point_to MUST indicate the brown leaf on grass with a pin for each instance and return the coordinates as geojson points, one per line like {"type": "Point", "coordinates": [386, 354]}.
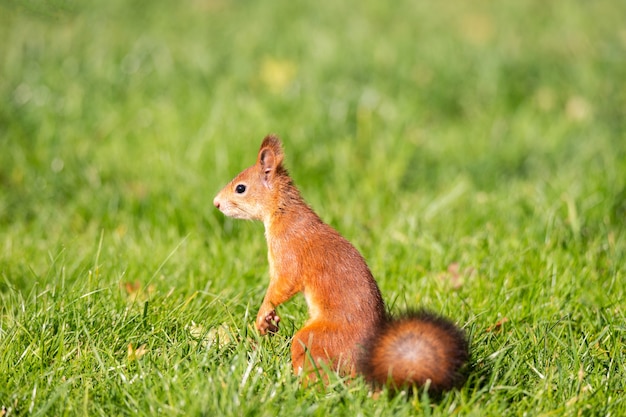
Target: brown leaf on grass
{"type": "Point", "coordinates": [498, 326]}
{"type": "Point", "coordinates": [135, 354]}
{"type": "Point", "coordinates": [131, 287]}
{"type": "Point", "coordinates": [455, 275]}
{"type": "Point", "coordinates": [136, 292]}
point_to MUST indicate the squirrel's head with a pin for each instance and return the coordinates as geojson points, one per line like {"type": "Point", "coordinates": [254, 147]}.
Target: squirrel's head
{"type": "Point", "coordinates": [253, 194]}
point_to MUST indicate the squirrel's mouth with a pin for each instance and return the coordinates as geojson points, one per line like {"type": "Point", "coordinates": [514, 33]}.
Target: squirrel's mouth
{"type": "Point", "coordinates": [233, 211]}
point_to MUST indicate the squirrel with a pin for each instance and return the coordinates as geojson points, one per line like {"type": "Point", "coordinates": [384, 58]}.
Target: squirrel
{"type": "Point", "coordinates": [348, 329]}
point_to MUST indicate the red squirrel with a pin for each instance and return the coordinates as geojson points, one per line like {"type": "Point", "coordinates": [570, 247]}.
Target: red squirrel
{"type": "Point", "coordinates": [348, 328]}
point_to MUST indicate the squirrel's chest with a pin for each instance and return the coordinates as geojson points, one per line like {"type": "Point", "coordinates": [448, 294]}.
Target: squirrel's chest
{"type": "Point", "coordinates": [296, 256]}
{"type": "Point", "coordinates": [284, 261]}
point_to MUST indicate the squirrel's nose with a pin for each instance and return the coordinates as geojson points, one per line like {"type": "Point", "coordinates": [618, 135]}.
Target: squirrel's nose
{"type": "Point", "coordinates": [216, 203]}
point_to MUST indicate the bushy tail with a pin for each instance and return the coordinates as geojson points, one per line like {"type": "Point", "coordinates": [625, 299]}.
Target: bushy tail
{"type": "Point", "coordinates": [418, 347]}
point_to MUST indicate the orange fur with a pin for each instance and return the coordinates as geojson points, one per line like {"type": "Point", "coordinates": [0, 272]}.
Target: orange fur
{"type": "Point", "coordinates": [416, 349]}
{"type": "Point", "coordinates": [346, 310]}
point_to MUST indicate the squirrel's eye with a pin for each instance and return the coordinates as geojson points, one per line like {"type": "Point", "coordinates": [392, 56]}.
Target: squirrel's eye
{"type": "Point", "coordinates": [240, 189]}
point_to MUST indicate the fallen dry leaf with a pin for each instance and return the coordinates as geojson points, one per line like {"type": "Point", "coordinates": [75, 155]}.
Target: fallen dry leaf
{"type": "Point", "coordinates": [131, 287]}
{"type": "Point", "coordinates": [498, 326]}
{"type": "Point", "coordinates": [135, 354]}
{"type": "Point", "coordinates": [455, 275]}
{"type": "Point", "coordinates": [136, 292]}
{"type": "Point", "coordinates": [219, 334]}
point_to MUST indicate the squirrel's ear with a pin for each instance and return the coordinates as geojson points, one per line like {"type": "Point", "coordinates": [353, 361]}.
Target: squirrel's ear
{"type": "Point", "coordinates": [270, 155]}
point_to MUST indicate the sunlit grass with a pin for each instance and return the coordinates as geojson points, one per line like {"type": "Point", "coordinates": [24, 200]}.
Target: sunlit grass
{"type": "Point", "coordinates": [475, 153]}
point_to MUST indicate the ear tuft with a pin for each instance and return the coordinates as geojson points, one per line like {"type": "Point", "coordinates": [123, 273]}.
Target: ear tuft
{"type": "Point", "coordinates": [273, 142]}
{"type": "Point", "coordinates": [271, 154]}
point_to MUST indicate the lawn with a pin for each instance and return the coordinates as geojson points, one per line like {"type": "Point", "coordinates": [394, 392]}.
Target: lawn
{"type": "Point", "coordinates": [474, 152]}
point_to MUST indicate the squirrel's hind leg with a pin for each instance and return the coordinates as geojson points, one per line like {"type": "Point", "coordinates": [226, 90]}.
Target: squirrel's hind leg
{"type": "Point", "coordinates": [319, 347]}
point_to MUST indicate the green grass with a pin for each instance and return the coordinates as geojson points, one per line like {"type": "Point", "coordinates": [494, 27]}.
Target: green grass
{"type": "Point", "coordinates": [474, 152]}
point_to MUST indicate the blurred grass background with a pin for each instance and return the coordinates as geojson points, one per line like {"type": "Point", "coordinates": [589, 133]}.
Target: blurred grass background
{"type": "Point", "coordinates": [474, 151]}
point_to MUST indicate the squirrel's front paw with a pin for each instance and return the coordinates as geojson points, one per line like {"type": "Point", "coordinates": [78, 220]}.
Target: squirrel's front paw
{"type": "Point", "coordinates": [267, 322]}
